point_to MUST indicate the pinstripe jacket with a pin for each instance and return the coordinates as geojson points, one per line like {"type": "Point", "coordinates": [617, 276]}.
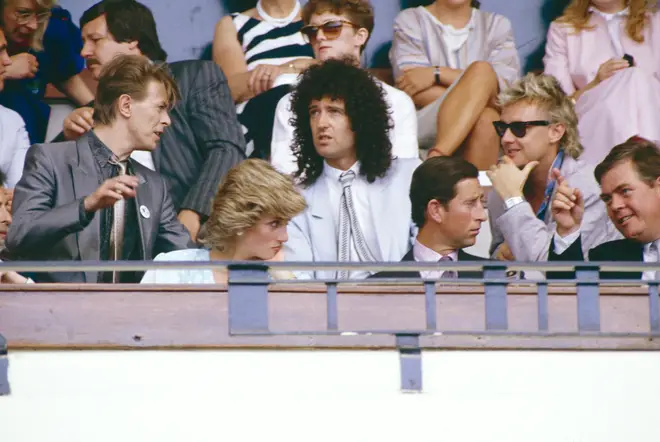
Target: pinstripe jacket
{"type": "Point", "coordinates": [205, 139]}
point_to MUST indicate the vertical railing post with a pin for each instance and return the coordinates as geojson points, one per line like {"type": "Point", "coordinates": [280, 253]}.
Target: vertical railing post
{"type": "Point", "coordinates": [588, 297]}
{"type": "Point", "coordinates": [331, 306]}
{"type": "Point", "coordinates": [248, 297]}
{"type": "Point", "coordinates": [410, 356]}
{"type": "Point", "coordinates": [430, 304]}
{"type": "Point", "coordinates": [654, 317]}
{"type": "Point", "coordinates": [542, 305]}
{"type": "Point", "coordinates": [495, 294]}
{"type": "Point", "coordinates": [4, 367]}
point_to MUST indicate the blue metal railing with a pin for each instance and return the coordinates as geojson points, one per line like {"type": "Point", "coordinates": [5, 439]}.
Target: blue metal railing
{"type": "Point", "coordinates": [249, 282]}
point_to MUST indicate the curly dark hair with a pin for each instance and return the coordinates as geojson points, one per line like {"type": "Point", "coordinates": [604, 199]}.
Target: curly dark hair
{"type": "Point", "coordinates": [366, 109]}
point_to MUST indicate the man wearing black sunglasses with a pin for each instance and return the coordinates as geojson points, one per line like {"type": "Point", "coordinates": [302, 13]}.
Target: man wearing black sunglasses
{"type": "Point", "coordinates": [340, 29]}
{"type": "Point", "coordinates": [541, 150]}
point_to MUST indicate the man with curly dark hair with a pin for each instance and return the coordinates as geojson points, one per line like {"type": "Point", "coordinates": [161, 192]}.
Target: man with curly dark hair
{"type": "Point", "coordinates": [341, 29]}
{"type": "Point", "coordinates": [350, 181]}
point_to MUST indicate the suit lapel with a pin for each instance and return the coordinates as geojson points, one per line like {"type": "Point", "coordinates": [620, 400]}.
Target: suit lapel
{"type": "Point", "coordinates": [85, 181]}
{"type": "Point", "coordinates": [463, 256]}
{"type": "Point", "coordinates": [145, 210]}
{"type": "Point", "coordinates": [378, 208]}
{"type": "Point", "coordinates": [322, 226]}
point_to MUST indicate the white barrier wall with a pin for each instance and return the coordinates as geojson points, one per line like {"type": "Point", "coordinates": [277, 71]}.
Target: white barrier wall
{"type": "Point", "coordinates": [316, 395]}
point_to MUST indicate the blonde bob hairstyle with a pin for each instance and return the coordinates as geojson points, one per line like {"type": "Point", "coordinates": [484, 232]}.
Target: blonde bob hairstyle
{"type": "Point", "coordinates": [252, 190]}
{"type": "Point", "coordinates": [545, 92]}
{"type": "Point", "coordinates": [37, 43]}
{"type": "Point", "coordinates": [577, 16]}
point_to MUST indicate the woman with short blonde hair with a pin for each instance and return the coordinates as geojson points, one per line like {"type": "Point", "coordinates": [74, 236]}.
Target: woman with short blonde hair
{"type": "Point", "coordinates": [606, 56]}
{"type": "Point", "coordinates": [248, 221]}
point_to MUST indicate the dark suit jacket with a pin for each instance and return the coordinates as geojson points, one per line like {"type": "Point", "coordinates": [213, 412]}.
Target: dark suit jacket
{"type": "Point", "coordinates": [205, 139]}
{"type": "Point", "coordinates": [46, 210]}
{"type": "Point", "coordinates": [619, 250]}
{"type": "Point", "coordinates": [462, 256]}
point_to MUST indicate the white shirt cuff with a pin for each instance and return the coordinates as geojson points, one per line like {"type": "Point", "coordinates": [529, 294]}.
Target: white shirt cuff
{"type": "Point", "coordinates": [562, 244]}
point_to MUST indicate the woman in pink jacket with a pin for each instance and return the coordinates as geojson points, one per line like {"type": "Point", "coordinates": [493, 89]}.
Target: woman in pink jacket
{"type": "Point", "coordinates": [606, 55]}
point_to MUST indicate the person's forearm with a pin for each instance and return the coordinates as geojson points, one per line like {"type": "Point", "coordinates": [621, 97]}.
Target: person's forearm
{"type": "Point", "coordinates": [239, 84]}
{"type": "Point", "coordinates": [76, 89]}
{"type": "Point", "coordinates": [576, 96]}
{"type": "Point", "coordinates": [448, 76]}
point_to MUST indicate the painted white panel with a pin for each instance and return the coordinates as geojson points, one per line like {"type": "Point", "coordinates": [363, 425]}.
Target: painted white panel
{"type": "Point", "coordinates": [330, 395]}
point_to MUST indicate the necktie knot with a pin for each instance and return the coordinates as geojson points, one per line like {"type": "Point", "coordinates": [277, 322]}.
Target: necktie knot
{"type": "Point", "coordinates": [445, 258]}
{"type": "Point", "coordinates": [120, 164]}
{"type": "Point", "coordinates": [347, 178]}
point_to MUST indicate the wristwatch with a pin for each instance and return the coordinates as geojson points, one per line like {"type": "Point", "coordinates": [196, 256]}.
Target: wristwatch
{"type": "Point", "coordinates": [513, 201]}
{"type": "Point", "coordinates": [436, 72]}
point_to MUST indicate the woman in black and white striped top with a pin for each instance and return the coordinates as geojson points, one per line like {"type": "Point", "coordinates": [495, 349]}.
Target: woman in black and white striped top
{"type": "Point", "coordinates": [261, 51]}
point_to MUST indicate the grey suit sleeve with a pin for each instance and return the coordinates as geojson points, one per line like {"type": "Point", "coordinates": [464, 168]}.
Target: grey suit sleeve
{"type": "Point", "coordinates": [527, 236]}
{"type": "Point", "coordinates": [218, 135]}
{"type": "Point", "coordinates": [36, 223]}
{"type": "Point", "coordinates": [172, 235]}
{"type": "Point", "coordinates": [299, 247]}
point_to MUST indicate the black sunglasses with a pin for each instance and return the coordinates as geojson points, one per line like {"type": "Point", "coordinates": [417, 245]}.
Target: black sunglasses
{"type": "Point", "coordinates": [518, 128]}
{"type": "Point", "coordinates": [331, 29]}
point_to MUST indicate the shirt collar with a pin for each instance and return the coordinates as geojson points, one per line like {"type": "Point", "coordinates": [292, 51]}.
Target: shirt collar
{"type": "Point", "coordinates": [100, 151]}
{"type": "Point", "coordinates": [421, 253]}
{"type": "Point", "coordinates": [333, 174]}
{"type": "Point", "coordinates": [608, 17]}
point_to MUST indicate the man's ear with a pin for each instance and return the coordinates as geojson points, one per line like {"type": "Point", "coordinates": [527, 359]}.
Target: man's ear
{"type": "Point", "coordinates": [134, 47]}
{"type": "Point", "coordinates": [435, 211]}
{"type": "Point", "coordinates": [556, 132]}
{"type": "Point", "coordinates": [125, 103]}
{"type": "Point", "coordinates": [362, 36]}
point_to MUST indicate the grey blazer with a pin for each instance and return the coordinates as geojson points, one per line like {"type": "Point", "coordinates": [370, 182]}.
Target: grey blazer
{"type": "Point", "coordinates": [46, 210]}
{"type": "Point", "coordinates": [529, 238]}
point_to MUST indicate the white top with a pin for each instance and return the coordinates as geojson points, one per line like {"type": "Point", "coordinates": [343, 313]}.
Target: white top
{"type": "Point", "coordinates": [181, 276]}
{"type": "Point", "coordinates": [614, 27]}
{"type": "Point", "coordinates": [453, 38]}
{"type": "Point", "coordinates": [403, 136]}
{"type": "Point", "coordinates": [145, 158]}
{"type": "Point", "coordinates": [359, 190]}
{"type": "Point", "coordinates": [421, 253]}
{"type": "Point", "coordinates": [14, 144]}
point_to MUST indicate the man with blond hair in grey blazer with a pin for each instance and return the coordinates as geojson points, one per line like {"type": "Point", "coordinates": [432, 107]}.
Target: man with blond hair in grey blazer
{"type": "Point", "coordinates": [540, 143]}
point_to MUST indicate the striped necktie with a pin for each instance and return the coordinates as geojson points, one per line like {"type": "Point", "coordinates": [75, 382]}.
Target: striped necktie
{"type": "Point", "coordinates": [349, 227]}
{"type": "Point", "coordinates": [118, 223]}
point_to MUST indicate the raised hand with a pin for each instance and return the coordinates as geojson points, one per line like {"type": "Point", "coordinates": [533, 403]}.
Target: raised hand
{"type": "Point", "coordinates": [567, 206]}
{"type": "Point", "coordinates": [507, 180]}
{"type": "Point", "coordinates": [78, 122]}
{"type": "Point", "coordinates": [609, 68]}
{"type": "Point", "coordinates": [111, 191]}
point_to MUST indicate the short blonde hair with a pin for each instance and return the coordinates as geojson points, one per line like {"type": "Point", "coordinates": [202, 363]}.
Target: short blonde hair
{"type": "Point", "coordinates": [577, 16]}
{"type": "Point", "coordinates": [250, 191]}
{"type": "Point", "coordinates": [545, 92]}
{"type": "Point", "coordinates": [37, 43]}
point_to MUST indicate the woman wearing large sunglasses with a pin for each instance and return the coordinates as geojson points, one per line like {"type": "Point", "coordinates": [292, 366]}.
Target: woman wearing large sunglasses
{"type": "Point", "coordinates": [541, 158]}
{"type": "Point", "coordinates": [44, 46]}
{"type": "Point", "coordinates": [453, 59]}
{"type": "Point", "coordinates": [606, 55]}
{"type": "Point", "coordinates": [261, 51]}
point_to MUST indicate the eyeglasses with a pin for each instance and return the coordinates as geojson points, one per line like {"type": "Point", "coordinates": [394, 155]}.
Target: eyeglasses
{"type": "Point", "coordinates": [331, 30]}
{"type": "Point", "coordinates": [24, 17]}
{"type": "Point", "coordinates": [518, 128]}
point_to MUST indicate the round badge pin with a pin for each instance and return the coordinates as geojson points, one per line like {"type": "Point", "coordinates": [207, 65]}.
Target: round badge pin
{"type": "Point", "coordinates": [145, 212]}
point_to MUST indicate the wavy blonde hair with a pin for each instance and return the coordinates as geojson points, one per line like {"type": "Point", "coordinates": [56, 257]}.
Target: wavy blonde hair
{"type": "Point", "coordinates": [38, 37]}
{"type": "Point", "coordinates": [252, 190]}
{"type": "Point", "coordinates": [545, 92]}
{"type": "Point", "coordinates": [577, 15]}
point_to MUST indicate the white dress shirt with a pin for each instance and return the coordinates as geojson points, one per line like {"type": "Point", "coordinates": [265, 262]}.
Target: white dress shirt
{"type": "Point", "coordinates": [614, 26]}
{"type": "Point", "coordinates": [403, 136]}
{"type": "Point", "coordinates": [650, 254]}
{"type": "Point", "coordinates": [14, 144]}
{"type": "Point", "coordinates": [145, 158]}
{"type": "Point", "coordinates": [359, 185]}
{"type": "Point", "coordinates": [453, 38]}
{"type": "Point", "coordinates": [421, 253]}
